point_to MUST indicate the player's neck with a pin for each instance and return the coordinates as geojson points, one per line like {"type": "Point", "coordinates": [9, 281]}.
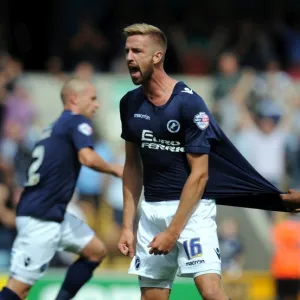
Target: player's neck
{"type": "Point", "coordinates": [72, 108]}
{"type": "Point", "coordinates": [159, 88]}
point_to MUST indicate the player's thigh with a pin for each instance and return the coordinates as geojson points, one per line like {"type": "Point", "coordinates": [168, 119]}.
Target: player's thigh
{"type": "Point", "coordinates": [162, 267]}
{"type": "Point", "coordinates": [158, 290]}
{"type": "Point", "coordinates": [76, 236]}
{"type": "Point", "coordinates": [34, 247]}
{"type": "Point", "coordinates": [210, 286]}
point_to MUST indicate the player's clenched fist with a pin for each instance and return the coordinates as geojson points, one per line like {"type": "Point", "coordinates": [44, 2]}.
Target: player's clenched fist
{"type": "Point", "coordinates": [126, 241]}
{"type": "Point", "coordinates": [163, 243]}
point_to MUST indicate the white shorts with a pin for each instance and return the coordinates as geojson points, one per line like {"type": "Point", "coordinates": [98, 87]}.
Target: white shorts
{"type": "Point", "coordinates": [38, 241]}
{"type": "Point", "coordinates": [195, 253]}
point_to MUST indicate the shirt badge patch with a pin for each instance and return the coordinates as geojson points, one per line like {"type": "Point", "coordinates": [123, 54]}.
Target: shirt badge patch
{"type": "Point", "coordinates": [201, 120]}
{"type": "Point", "coordinates": [85, 128]}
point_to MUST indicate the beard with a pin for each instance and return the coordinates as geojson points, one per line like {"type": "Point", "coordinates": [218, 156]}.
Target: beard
{"type": "Point", "coordinates": [139, 77]}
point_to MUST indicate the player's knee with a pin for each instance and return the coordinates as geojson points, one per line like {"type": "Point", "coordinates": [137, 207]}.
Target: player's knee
{"type": "Point", "coordinates": [155, 294]}
{"type": "Point", "coordinates": [19, 288]}
{"type": "Point", "coordinates": [101, 253]}
{"type": "Point", "coordinates": [95, 251]}
{"type": "Point", "coordinates": [98, 254]}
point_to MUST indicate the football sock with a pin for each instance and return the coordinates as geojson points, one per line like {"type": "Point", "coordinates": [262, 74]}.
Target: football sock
{"type": "Point", "coordinates": [78, 274]}
{"type": "Point", "coordinates": [7, 294]}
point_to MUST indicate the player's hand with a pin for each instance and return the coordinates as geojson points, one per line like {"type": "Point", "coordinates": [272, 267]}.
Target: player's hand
{"type": "Point", "coordinates": [291, 200]}
{"type": "Point", "coordinates": [118, 170]}
{"type": "Point", "coordinates": [163, 243]}
{"type": "Point", "coordinates": [126, 241]}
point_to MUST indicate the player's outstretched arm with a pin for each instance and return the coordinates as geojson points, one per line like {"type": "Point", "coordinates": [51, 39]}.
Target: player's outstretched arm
{"type": "Point", "coordinates": [91, 159]}
{"type": "Point", "coordinates": [132, 188]}
{"type": "Point", "coordinates": [190, 197]}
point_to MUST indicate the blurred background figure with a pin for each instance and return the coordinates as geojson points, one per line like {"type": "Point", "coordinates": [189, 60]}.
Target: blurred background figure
{"type": "Point", "coordinates": [231, 248]}
{"type": "Point", "coordinates": [232, 256]}
{"type": "Point", "coordinates": [88, 44]}
{"type": "Point", "coordinates": [285, 266]}
{"type": "Point", "coordinates": [7, 217]}
{"type": "Point", "coordinates": [226, 80]}
{"type": "Point", "coordinates": [84, 70]}
{"type": "Point", "coordinates": [54, 66]}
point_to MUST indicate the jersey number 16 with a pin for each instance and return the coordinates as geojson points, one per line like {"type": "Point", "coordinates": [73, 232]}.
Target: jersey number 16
{"type": "Point", "coordinates": [192, 248]}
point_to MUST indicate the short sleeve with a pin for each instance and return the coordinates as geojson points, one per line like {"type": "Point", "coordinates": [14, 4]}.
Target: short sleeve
{"type": "Point", "coordinates": [82, 133]}
{"type": "Point", "coordinates": [198, 125]}
{"type": "Point", "coordinates": [124, 116]}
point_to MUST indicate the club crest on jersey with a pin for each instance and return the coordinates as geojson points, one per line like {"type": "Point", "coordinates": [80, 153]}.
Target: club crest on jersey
{"type": "Point", "coordinates": [201, 120]}
{"type": "Point", "coordinates": [137, 262]}
{"type": "Point", "coordinates": [173, 126]}
{"type": "Point", "coordinates": [85, 128]}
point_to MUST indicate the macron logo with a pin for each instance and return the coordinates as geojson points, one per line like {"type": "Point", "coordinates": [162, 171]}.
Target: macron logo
{"type": "Point", "coordinates": [141, 116]}
{"type": "Point", "coordinates": [187, 90]}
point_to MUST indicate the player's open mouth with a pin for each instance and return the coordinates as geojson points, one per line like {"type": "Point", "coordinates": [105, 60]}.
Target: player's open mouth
{"type": "Point", "coordinates": [134, 70]}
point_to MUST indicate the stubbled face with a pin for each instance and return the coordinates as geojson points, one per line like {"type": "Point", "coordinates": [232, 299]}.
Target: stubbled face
{"type": "Point", "coordinates": [87, 102]}
{"type": "Point", "coordinates": [140, 53]}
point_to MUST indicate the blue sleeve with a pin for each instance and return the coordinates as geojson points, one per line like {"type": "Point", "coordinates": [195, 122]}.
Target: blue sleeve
{"type": "Point", "coordinates": [82, 133]}
{"type": "Point", "coordinates": [124, 116]}
{"type": "Point", "coordinates": [198, 124]}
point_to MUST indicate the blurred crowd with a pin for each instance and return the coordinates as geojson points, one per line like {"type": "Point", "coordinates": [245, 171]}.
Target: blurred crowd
{"type": "Point", "coordinates": [255, 67]}
{"type": "Point", "coordinates": [194, 43]}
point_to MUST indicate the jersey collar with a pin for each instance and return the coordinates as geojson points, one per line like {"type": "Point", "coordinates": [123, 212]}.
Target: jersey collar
{"type": "Point", "coordinates": [179, 86]}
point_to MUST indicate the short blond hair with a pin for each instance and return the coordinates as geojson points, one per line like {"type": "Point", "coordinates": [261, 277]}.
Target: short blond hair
{"type": "Point", "coordinates": [146, 29]}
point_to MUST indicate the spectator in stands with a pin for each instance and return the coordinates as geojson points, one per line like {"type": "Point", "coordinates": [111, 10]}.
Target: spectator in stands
{"type": "Point", "coordinates": [196, 43]}
{"type": "Point", "coordinates": [231, 247]}
{"type": "Point", "coordinates": [54, 66]}
{"type": "Point", "coordinates": [3, 93]}
{"type": "Point", "coordinates": [19, 108]}
{"type": "Point", "coordinates": [84, 70]}
{"type": "Point", "coordinates": [7, 218]}
{"type": "Point", "coordinates": [278, 86]}
{"type": "Point", "coordinates": [252, 44]}
{"type": "Point", "coordinates": [232, 85]}
{"type": "Point", "coordinates": [12, 137]}
{"type": "Point", "coordinates": [226, 79]}
{"type": "Point", "coordinates": [89, 44]}
{"type": "Point", "coordinates": [291, 39]}
{"type": "Point", "coordinates": [285, 267]}
{"type": "Point", "coordinates": [267, 131]}
{"type": "Point", "coordinates": [13, 69]}
{"type": "Point", "coordinates": [294, 71]}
